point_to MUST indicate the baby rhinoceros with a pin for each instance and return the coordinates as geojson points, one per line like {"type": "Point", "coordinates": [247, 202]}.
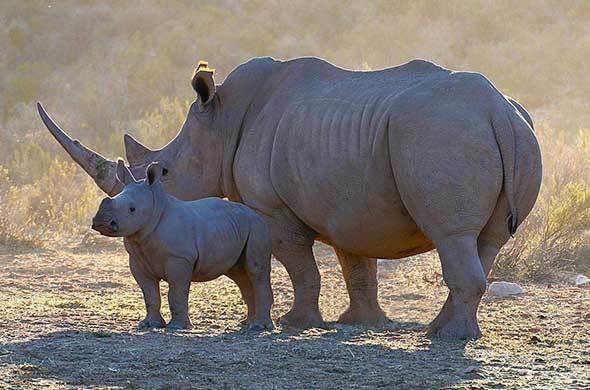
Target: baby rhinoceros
{"type": "Point", "coordinates": [179, 242]}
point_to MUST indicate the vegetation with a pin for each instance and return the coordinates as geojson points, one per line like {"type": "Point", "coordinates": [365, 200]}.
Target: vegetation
{"type": "Point", "coordinates": [555, 236]}
{"type": "Point", "coordinates": [106, 67]}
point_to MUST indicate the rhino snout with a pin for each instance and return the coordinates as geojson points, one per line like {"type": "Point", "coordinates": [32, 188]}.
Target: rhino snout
{"type": "Point", "coordinates": [105, 226]}
{"type": "Point", "coordinates": [103, 222]}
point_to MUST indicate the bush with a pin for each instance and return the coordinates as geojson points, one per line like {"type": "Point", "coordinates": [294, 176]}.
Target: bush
{"type": "Point", "coordinates": [554, 238]}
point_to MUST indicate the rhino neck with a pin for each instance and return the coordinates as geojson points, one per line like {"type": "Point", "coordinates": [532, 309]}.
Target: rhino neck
{"type": "Point", "coordinates": [160, 202]}
{"type": "Point", "coordinates": [231, 139]}
{"type": "Point", "coordinates": [241, 96]}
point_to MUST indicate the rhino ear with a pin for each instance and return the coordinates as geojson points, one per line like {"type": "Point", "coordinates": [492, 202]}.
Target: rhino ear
{"type": "Point", "coordinates": [154, 172]}
{"type": "Point", "coordinates": [203, 82]}
{"type": "Point", "coordinates": [135, 151]}
{"type": "Point", "coordinates": [123, 173]}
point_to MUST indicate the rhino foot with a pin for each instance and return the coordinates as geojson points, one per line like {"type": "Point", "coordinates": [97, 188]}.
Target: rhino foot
{"type": "Point", "coordinates": [455, 329]}
{"type": "Point", "coordinates": [245, 322]}
{"type": "Point", "coordinates": [260, 326]}
{"type": "Point", "coordinates": [151, 323]}
{"type": "Point", "coordinates": [364, 316]}
{"type": "Point", "coordinates": [302, 320]}
{"type": "Point", "coordinates": [179, 324]}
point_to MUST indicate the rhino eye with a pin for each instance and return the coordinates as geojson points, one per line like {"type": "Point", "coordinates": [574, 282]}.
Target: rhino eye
{"type": "Point", "coordinates": [132, 209]}
{"type": "Point", "coordinates": [164, 171]}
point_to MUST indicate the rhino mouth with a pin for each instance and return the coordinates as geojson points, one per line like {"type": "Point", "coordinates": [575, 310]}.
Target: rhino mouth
{"type": "Point", "coordinates": [105, 227]}
{"type": "Point", "coordinates": [102, 170]}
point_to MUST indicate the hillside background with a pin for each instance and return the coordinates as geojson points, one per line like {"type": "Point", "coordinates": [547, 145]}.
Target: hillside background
{"type": "Point", "coordinates": [106, 67]}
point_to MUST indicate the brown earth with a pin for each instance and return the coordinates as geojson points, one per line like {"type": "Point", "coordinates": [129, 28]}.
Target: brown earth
{"type": "Point", "coordinates": [68, 316]}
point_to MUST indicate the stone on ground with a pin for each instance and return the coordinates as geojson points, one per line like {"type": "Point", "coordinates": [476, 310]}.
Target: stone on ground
{"type": "Point", "coordinates": [504, 289]}
{"type": "Point", "coordinates": [582, 281]}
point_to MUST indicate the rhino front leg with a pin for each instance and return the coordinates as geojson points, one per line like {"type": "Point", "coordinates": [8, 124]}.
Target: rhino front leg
{"type": "Point", "coordinates": [360, 275]}
{"type": "Point", "coordinates": [292, 244]}
{"type": "Point", "coordinates": [150, 287]}
{"type": "Point", "coordinates": [179, 274]}
{"type": "Point", "coordinates": [257, 263]}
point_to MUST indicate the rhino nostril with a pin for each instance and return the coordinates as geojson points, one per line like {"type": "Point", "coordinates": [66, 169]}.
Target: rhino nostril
{"type": "Point", "coordinates": [114, 225]}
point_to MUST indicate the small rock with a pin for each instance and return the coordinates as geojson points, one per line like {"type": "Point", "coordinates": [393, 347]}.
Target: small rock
{"type": "Point", "coordinates": [582, 281]}
{"type": "Point", "coordinates": [504, 289]}
{"type": "Point", "coordinates": [470, 370]}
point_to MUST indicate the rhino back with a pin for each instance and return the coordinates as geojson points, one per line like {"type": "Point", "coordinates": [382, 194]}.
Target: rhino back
{"type": "Point", "coordinates": [320, 148]}
{"type": "Point", "coordinates": [326, 147]}
{"type": "Point", "coordinates": [211, 231]}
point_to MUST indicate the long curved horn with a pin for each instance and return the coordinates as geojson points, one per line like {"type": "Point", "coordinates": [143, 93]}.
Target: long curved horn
{"type": "Point", "coordinates": [102, 170]}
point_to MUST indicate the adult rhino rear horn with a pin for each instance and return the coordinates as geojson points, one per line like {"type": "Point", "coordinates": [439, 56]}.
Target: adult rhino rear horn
{"type": "Point", "coordinates": [102, 170]}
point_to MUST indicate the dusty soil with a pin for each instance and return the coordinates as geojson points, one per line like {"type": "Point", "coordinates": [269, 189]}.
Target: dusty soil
{"type": "Point", "coordinates": [68, 316]}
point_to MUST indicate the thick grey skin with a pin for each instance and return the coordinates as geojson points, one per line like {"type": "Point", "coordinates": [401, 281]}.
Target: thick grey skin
{"type": "Point", "coordinates": [381, 164]}
{"type": "Point", "coordinates": [179, 242]}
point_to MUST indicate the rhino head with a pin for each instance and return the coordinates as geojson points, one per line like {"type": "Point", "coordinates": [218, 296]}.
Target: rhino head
{"type": "Point", "coordinates": [133, 209]}
{"type": "Point", "coordinates": [191, 163]}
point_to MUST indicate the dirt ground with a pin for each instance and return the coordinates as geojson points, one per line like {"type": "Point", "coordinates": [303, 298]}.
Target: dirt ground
{"type": "Point", "coordinates": [68, 316]}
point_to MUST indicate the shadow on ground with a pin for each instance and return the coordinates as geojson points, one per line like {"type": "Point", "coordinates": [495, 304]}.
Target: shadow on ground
{"type": "Point", "coordinates": [338, 357]}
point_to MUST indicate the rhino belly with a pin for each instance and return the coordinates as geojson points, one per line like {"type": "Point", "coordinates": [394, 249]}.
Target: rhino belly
{"type": "Point", "coordinates": [388, 236]}
{"type": "Point", "coordinates": [370, 222]}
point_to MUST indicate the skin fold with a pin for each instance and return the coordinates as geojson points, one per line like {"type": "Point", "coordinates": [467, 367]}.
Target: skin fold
{"type": "Point", "coordinates": [380, 164]}
{"type": "Point", "coordinates": [183, 242]}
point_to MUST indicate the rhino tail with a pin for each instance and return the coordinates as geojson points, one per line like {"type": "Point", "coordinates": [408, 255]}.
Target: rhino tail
{"type": "Point", "coordinates": [503, 123]}
{"type": "Point", "coordinates": [523, 112]}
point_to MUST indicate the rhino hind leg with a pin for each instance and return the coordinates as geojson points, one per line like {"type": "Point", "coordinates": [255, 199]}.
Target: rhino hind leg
{"type": "Point", "coordinates": [360, 275]}
{"type": "Point", "coordinates": [240, 277]}
{"type": "Point", "coordinates": [179, 274]}
{"type": "Point", "coordinates": [465, 276]}
{"type": "Point", "coordinates": [490, 241]}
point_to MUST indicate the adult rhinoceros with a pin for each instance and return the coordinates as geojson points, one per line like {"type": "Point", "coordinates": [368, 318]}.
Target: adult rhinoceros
{"type": "Point", "coordinates": [380, 164]}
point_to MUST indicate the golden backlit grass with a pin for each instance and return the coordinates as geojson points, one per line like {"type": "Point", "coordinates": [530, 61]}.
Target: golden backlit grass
{"type": "Point", "coordinates": [103, 68]}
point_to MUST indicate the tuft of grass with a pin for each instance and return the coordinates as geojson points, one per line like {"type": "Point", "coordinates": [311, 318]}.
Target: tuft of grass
{"type": "Point", "coordinates": [29, 368]}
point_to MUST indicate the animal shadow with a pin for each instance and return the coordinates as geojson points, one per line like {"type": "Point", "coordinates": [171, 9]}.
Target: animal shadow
{"type": "Point", "coordinates": [398, 355]}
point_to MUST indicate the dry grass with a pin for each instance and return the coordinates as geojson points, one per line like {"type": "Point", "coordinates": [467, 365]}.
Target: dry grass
{"type": "Point", "coordinates": [68, 321]}
{"type": "Point", "coordinates": [48, 209]}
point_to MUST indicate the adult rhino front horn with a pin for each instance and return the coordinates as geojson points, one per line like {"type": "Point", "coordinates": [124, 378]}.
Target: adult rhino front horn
{"type": "Point", "coordinates": [102, 170]}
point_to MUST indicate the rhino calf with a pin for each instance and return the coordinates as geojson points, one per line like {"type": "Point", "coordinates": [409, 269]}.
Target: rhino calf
{"type": "Point", "coordinates": [180, 242]}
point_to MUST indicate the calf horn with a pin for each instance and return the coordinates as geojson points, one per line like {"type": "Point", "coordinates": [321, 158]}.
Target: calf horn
{"type": "Point", "coordinates": [103, 171]}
